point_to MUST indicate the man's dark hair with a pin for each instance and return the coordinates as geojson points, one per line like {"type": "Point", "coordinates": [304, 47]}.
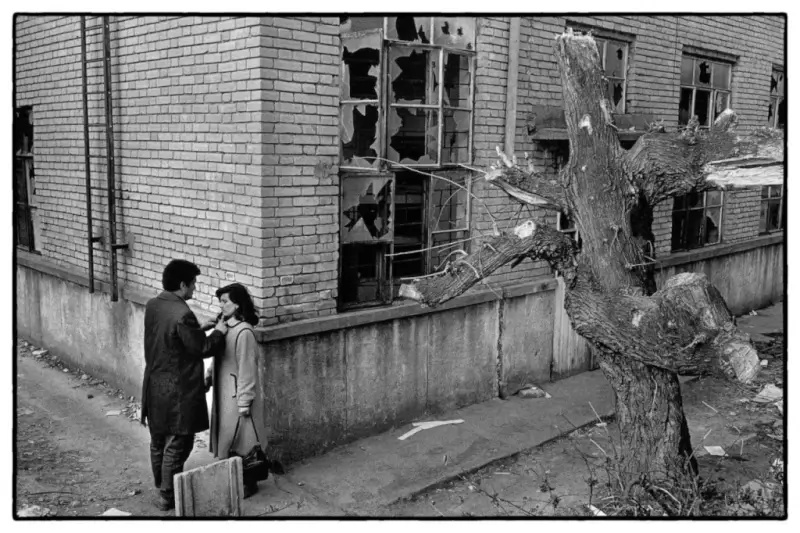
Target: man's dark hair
{"type": "Point", "coordinates": [238, 294]}
{"type": "Point", "coordinates": [177, 271]}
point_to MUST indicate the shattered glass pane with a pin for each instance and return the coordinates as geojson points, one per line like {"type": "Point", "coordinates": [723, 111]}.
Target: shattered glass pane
{"type": "Point", "coordinates": [366, 209]}
{"type": "Point", "coordinates": [773, 83]}
{"type": "Point", "coordinates": [712, 225]}
{"type": "Point", "coordinates": [781, 84]}
{"type": "Point", "coordinates": [713, 198]}
{"type": "Point", "coordinates": [408, 72]}
{"type": "Point", "coordinates": [703, 72]}
{"type": "Point", "coordinates": [615, 59]}
{"type": "Point", "coordinates": [722, 76]}
{"type": "Point", "coordinates": [455, 137]}
{"type": "Point", "coordinates": [762, 224]}
{"type": "Point", "coordinates": [439, 255]}
{"type": "Point", "coordinates": [685, 106]}
{"type": "Point", "coordinates": [702, 103]}
{"type": "Point", "coordinates": [358, 133]}
{"type": "Point", "coordinates": [411, 29]}
{"type": "Point", "coordinates": [449, 203]}
{"type": "Point", "coordinates": [413, 135]}
{"type": "Point", "coordinates": [773, 212]}
{"type": "Point", "coordinates": [615, 93]}
{"type": "Point", "coordinates": [782, 113]}
{"type": "Point", "coordinates": [687, 70]}
{"type": "Point", "coordinates": [456, 32]}
{"type": "Point", "coordinates": [456, 80]}
{"type": "Point", "coordinates": [360, 66]}
{"type": "Point", "coordinates": [721, 103]}
{"type": "Point", "coordinates": [361, 281]}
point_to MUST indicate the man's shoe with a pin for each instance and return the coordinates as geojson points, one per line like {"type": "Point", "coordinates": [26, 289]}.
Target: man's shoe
{"type": "Point", "coordinates": [164, 504]}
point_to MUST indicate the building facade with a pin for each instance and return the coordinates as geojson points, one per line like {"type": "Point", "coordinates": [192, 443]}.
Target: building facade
{"type": "Point", "coordinates": [295, 155]}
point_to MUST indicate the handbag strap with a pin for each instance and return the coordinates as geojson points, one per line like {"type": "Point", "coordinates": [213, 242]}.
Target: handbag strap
{"type": "Point", "coordinates": [236, 431]}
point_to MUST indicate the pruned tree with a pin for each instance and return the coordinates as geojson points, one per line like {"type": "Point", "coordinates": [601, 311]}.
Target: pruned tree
{"type": "Point", "coordinates": [643, 337]}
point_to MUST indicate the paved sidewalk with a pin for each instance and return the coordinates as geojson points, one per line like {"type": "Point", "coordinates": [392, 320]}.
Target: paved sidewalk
{"type": "Point", "coordinates": [357, 479]}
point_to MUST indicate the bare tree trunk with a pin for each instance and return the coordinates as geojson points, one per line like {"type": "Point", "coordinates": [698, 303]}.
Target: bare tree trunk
{"type": "Point", "coordinates": [644, 338]}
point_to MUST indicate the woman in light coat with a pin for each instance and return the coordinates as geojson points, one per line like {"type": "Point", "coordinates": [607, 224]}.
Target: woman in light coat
{"type": "Point", "coordinates": [234, 376]}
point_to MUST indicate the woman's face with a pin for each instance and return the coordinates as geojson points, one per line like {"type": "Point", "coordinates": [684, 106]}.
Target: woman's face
{"type": "Point", "coordinates": [228, 307]}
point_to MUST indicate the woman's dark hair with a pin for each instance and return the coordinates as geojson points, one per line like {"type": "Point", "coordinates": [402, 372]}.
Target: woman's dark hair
{"type": "Point", "coordinates": [238, 294]}
{"type": "Point", "coordinates": [177, 271]}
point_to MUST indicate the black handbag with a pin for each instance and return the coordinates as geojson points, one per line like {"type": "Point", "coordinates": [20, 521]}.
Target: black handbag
{"type": "Point", "coordinates": [255, 466]}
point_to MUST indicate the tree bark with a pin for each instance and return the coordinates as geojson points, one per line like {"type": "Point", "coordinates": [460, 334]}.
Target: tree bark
{"type": "Point", "coordinates": [642, 338]}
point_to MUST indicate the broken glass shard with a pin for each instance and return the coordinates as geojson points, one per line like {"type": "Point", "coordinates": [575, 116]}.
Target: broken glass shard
{"type": "Point", "coordinates": [360, 66]}
{"type": "Point", "coordinates": [358, 131]}
{"type": "Point", "coordinates": [615, 59]}
{"type": "Point", "coordinates": [455, 137]}
{"type": "Point", "coordinates": [703, 72]}
{"type": "Point", "coordinates": [413, 134]}
{"type": "Point", "coordinates": [411, 29]}
{"type": "Point", "coordinates": [702, 102]}
{"type": "Point", "coordinates": [366, 209]}
{"type": "Point", "coordinates": [455, 32]}
{"type": "Point", "coordinates": [408, 70]}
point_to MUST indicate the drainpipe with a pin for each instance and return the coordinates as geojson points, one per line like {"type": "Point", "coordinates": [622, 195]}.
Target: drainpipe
{"type": "Point", "coordinates": [511, 86]}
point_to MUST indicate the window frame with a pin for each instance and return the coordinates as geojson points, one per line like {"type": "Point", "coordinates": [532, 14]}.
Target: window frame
{"type": "Point", "coordinates": [711, 87]}
{"type": "Point", "coordinates": [456, 204]}
{"type": "Point", "coordinates": [23, 189]}
{"type": "Point", "coordinates": [770, 199]}
{"type": "Point", "coordinates": [686, 209]}
{"type": "Point", "coordinates": [776, 100]}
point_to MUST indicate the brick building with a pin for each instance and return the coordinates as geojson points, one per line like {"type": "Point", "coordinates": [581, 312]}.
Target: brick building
{"type": "Point", "coordinates": [291, 154]}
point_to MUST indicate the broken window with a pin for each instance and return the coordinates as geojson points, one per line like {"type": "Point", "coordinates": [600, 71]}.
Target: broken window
{"type": "Point", "coordinates": [696, 220]}
{"type": "Point", "coordinates": [777, 99]}
{"type": "Point", "coordinates": [614, 63]}
{"type": "Point", "coordinates": [705, 90]}
{"type": "Point", "coordinates": [24, 182]}
{"type": "Point", "coordinates": [773, 209]}
{"type": "Point", "coordinates": [359, 94]}
{"type": "Point", "coordinates": [406, 99]}
{"type": "Point", "coordinates": [614, 60]}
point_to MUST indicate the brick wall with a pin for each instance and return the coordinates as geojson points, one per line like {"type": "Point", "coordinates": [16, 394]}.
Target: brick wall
{"type": "Point", "coordinates": [219, 160]}
{"type": "Point", "coordinates": [653, 82]}
{"type": "Point", "coordinates": [227, 138]}
{"type": "Point", "coordinates": [301, 173]}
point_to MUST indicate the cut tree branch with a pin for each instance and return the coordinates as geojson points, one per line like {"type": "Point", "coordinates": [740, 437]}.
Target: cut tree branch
{"type": "Point", "coordinates": [662, 165]}
{"type": "Point", "coordinates": [526, 185]}
{"type": "Point", "coordinates": [535, 241]}
{"type": "Point", "coordinates": [685, 327]}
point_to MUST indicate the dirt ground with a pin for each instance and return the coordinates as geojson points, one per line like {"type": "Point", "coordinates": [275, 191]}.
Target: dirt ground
{"type": "Point", "coordinates": [81, 451]}
{"type": "Point", "coordinates": [553, 480]}
{"type": "Point", "coordinates": [72, 457]}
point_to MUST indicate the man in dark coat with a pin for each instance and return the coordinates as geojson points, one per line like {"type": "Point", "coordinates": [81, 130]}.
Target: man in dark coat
{"type": "Point", "coordinates": [173, 392]}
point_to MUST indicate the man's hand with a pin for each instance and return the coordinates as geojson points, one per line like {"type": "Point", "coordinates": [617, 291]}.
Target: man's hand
{"type": "Point", "coordinates": [222, 327]}
{"type": "Point", "coordinates": [244, 412]}
{"type": "Point", "coordinates": [209, 380]}
{"type": "Point", "coordinates": [209, 324]}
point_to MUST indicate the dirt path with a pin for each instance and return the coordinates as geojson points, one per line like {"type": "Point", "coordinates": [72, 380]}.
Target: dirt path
{"type": "Point", "coordinates": [72, 458]}
{"type": "Point", "coordinates": [553, 480]}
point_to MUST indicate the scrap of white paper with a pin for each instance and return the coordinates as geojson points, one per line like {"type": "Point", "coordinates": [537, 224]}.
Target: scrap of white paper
{"type": "Point", "coordinates": [419, 426]}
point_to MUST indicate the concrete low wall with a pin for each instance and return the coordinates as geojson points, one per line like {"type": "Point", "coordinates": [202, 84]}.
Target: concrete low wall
{"type": "Point", "coordinates": [87, 330]}
{"type": "Point", "coordinates": [749, 275]}
{"type": "Point", "coordinates": [335, 379]}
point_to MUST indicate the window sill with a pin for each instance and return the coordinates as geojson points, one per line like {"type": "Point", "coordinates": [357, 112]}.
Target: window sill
{"type": "Point", "coordinates": [718, 250]}
{"type": "Point", "coordinates": [398, 310]}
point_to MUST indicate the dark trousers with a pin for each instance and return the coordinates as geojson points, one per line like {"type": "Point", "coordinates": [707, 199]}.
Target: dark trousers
{"type": "Point", "coordinates": [168, 453]}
